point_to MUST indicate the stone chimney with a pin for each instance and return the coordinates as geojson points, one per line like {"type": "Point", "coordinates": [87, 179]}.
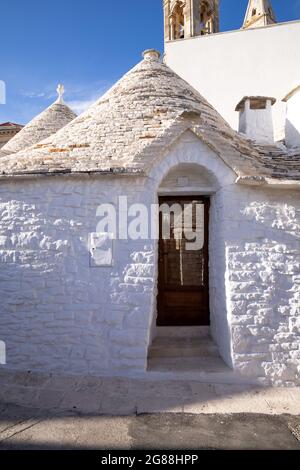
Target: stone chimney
{"type": "Point", "coordinates": [292, 122]}
{"type": "Point", "coordinates": [151, 54]}
{"type": "Point", "coordinates": [256, 120]}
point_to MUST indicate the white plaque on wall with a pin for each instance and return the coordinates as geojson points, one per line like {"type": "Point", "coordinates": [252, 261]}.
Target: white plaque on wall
{"type": "Point", "coordinates": [183, 181]}
{"type": "Point", "coordinates": [101, 249]}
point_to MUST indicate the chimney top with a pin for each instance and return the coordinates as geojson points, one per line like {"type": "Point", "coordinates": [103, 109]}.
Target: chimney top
{"type": "Point", "coordinates": [151, 54]}
{"type": "Point", "coordinates": [256, 102]}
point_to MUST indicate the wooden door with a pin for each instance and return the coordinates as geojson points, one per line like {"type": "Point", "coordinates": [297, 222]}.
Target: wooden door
{"type": "Point", "coordinates": [183, 290]}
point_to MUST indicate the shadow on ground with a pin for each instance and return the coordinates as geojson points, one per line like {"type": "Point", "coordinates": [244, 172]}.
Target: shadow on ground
{"type": "Point", "coordinates": [32, 429]}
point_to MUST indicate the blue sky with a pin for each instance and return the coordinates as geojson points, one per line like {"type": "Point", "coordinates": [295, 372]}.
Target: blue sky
{"type": "Point", "coordinates": [85, 45]}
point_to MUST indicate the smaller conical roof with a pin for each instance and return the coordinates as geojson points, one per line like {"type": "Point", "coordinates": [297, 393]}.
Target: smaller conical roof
{"type": "Point", "coordinates": [51, 120]}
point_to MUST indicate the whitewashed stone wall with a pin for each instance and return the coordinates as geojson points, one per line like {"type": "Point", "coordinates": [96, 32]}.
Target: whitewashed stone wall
{"type": "Point", "coordinates": [57, 313]}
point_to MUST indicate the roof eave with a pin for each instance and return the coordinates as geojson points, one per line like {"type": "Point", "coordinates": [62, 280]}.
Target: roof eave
{"type": "Point", "coordinates": [264, 181]}
{"type": "Point", "coordinates": [117, 171]}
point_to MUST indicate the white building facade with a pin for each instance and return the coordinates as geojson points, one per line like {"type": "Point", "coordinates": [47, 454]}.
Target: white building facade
{"type": "Point", "coordinates": [224, 67]}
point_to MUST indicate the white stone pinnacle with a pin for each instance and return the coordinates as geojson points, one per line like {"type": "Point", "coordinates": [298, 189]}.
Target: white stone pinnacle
{"type": "Point", "coordinates": [60, 90]}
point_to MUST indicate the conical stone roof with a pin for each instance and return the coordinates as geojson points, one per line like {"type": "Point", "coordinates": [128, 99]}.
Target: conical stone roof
{"type": "Point", "coordinates": [134, 122]}
{"type": "Point", "coordinates": [42, 126]}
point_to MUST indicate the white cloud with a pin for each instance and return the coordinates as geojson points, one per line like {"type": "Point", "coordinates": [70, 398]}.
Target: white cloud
{"type": "Point", "coordinates": [78, 96]}
{"type": "Point", "coordinates": [81, 99]}
{"type": "Point", "coordinates": [2, 92]}
{"type": "Point", "coordinates": [79, 106]}
{"type": "Point", "coordinates": [33, 95]}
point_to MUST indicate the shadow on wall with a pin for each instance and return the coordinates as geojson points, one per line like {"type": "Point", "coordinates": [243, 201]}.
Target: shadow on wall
{"type": "Point", "coordinates": [281, 220]}
{"type": "Point", "coordinates": [292, 135]}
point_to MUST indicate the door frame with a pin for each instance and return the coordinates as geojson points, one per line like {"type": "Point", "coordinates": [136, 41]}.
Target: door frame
{"type": "Point", "coordinates": [174, 198]}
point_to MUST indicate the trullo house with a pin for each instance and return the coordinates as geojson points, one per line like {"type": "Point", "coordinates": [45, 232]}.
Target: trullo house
{"type": "Point", "coordinates": [77, 299]}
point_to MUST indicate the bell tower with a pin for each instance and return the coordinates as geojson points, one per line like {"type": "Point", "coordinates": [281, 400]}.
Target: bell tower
{"type": "Point", "coordinates": [259, 13]}
{"type": "Point", "coordinates": [190, 18]}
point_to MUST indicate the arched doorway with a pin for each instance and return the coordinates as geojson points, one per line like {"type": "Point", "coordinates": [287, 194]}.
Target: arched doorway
{"type": "Point", "coordinates": [182, 338]}
{"type": "Point", "coordinates": [183, 253]}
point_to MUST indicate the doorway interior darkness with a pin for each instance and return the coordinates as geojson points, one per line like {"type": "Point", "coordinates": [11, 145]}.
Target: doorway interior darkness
{"type": "Point", "coordinates": [183, 277]}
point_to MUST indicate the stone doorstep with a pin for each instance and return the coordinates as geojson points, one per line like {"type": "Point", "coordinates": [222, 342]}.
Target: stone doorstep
{"type": "Point", "coordinates": [183, 332]}
{"type": "Point", "coordinates": [188, 352]}
{"type": "Point", "coordinates": [196, 365]}
{"type": "Point", "coordinates": [183, 347]}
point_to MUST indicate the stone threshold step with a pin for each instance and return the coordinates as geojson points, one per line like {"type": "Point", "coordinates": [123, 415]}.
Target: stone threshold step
{"type": "Point", "coordinates": [181, 364]}
{"type": "Point", "coordinates": [228, 377]}
{"type": "Point", "coordinates": [183, 347]}
{"type": "Point", "coordinates": [203, 370]}
{"type": "Point", "coordinates": [183, 331]}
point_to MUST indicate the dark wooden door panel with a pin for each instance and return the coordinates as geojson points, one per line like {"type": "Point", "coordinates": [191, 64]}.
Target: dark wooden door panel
{"type": "Point", "coordinates": [187, 316]}
{"type": "Point", "coordinates": [176, 299]}
{"type": "Point", "coordinates": [183, 291]}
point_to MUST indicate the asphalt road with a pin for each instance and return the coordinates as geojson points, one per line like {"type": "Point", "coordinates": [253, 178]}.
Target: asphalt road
{"type": "Point", "coordinates": [23, 428]}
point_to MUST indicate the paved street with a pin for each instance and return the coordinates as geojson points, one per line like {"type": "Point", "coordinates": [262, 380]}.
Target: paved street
{"type": "Point", "coordinates": [129, 396]}
{"type": "Point", "coordinates": [23, 428]}
{"type": "Point", "coordinates": [45, 411]}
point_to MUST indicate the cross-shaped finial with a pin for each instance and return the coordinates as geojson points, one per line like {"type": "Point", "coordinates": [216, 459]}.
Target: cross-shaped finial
{"type": "Point", "coordinates": [60, 90]}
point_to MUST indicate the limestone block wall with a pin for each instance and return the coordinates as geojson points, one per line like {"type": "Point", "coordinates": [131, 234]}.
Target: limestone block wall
{"type": "Point", "coordinates": [263, 287]}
